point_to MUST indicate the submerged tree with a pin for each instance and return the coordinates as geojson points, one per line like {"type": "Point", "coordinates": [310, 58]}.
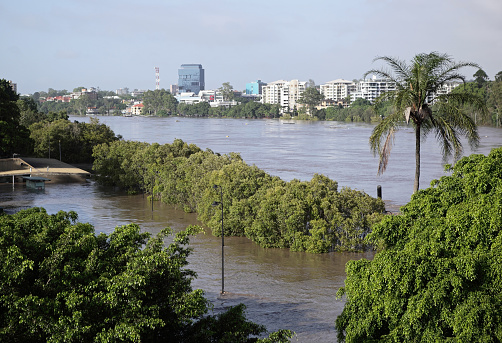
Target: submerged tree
{"type": "Point", "coordinates": [416, 98]}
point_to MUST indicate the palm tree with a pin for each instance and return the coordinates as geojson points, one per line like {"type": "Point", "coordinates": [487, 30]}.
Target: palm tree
{"type": "Point", "coordinates": [416, 97]}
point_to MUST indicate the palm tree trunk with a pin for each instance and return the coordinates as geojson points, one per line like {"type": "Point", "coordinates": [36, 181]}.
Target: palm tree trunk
{"type": "Point", "coordinates": [416, 185]}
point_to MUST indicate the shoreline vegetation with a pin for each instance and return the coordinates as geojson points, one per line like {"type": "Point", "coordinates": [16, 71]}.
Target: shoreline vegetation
{"type": "Point", "coordinates": [162, 103]}
{"type": "Point", "coordinates": [312, 216]}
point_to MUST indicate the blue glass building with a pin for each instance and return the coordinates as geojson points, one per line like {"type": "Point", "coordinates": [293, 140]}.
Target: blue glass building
{"type": "Point", "coordinates": [191, 78]}
{"type": "Point", "coordinates": [254, 88]}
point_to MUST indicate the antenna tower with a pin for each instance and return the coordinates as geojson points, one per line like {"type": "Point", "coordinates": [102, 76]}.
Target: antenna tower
{"type": "Point", "coordinates": [157, 78]}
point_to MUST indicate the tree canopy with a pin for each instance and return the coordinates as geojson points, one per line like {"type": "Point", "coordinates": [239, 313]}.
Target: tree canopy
{"type": "Point", "coordinates": [311, 98]}
{"type": "Point", "coordinates": [438, 275]}
{"type": "Point", "coordinates": [59, 282]}
{"type": "Point", "coordinates": [13, 135]}
{"type": "Point", "coordinates": [227, 91]}
{"type": "Point", "coordinates": [160, 102]}
{"type": "Point", "coordinates": [313, 216]}
{"type": "Point", "coordinates": [75, 141]}
{"type": "Point", "coordinates": [417, 99]}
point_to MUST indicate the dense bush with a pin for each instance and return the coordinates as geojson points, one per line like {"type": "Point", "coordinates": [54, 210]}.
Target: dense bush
{"type": "Point", "coordinates": [438, 275]}
{"type": "Point", "coordinates": [59, 282]}
{"type": "Point", "coordinates": [74, 141]}
{"type": "Point", "coordinates": [309, 216]}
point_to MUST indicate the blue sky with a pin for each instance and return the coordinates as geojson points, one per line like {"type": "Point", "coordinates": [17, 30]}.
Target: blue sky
{"type": "Point", "coordinates": [113, 44]}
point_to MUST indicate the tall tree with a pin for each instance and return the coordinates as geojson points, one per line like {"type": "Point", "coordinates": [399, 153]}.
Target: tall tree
{"type": "Point", "coordinates": [160, 101]}
{"type": "Point", "coordinates": [311, 98]}
{"type": "Point", "coordinates": [494, 101]}
{"type": "Point", "coordinates": [416, 84]}
{"type": "Point", "coordinates": [498, 76]}
{"type": "Point", "coordinates": [227, 91]}
{"type": "Point", "coordinates": [13, 135]}
{"type": "Point", "coordinates": [480, 77]}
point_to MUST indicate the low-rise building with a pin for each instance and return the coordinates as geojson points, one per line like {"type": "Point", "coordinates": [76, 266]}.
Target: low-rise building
{"type": "Point", "coordinates": [188, 98]}
{"type": "Point", "coordinates": [136, 109]}
{"type": "Point", "coordinates": [137, 92]}
{"type": "Point", "coordinates": [91, 93]}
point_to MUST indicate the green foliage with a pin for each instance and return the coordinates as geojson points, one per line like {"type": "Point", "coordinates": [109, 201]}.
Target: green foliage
{"type": "Point", "coordinates": [222, 328]}
{"type": "Point", "coordinates": [359, 111]}
{"type": "Point", "coordinates": [200, 109]}
{"type": "Point", "coordinates": [59, 282]}
{"type": "Point", "coordinates": [498, 76]}
{"type": "Point", "coordinates": [160, 102]}
{"type": "Point", "coordinates": [13, 135]}
{"type": "Point", "coordinates": [311, 98]}
{"type": "Point", "coordinates": [437, 278]}
{"type": "Point", "coordinates": [304, 216]}
{"type": "Point", "coordinates": [76, 140]}
{"type": "Point", "coordinates": [494, 102]}
{"type": "Point", "coordinates": [227, 91]}
{"type": "Point", "coordinates": [416, 84]}
{"type": "Point", "coordinates": [480, 77]}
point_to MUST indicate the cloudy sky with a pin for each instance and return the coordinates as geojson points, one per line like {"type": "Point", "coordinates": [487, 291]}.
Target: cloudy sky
{"type": "Point", "coordinates": [112, 44]}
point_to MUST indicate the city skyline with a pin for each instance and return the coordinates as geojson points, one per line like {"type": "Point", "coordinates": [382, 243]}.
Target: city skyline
{"type": "Point", "coordinates": [116, 44]}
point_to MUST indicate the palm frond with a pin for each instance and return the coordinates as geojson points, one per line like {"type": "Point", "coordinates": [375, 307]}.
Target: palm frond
{"type": "Point", "coordinates": [383, 146]}
{"type": "Point", "coordinates": [449, 124]}
{"type": "Point", "coordinates": [415, 82]}
{"type": "Point", "coordinates": [398, 67]}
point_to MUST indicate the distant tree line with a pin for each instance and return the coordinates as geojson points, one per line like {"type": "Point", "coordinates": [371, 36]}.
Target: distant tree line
{"type": "Point", "coordinates": [163, 103]}
{"type": "Point", "coordinates": [313, 216]}
{"type": "Point", "coordinates": [104, 104]}
{"type": "Point", "coordinates": [24, 130]}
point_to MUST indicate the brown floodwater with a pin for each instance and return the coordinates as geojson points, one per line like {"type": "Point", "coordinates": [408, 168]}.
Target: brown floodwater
{"type": "Point", "coordinates": [281, 289]}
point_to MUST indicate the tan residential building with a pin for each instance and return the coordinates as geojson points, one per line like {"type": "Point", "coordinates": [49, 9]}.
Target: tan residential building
{"type": "Point", "coordinates": [283, 93]}
{"type": "Point", "coordinates": [136, 109]}
{"type": "Point", "coordinates": [337, 90]}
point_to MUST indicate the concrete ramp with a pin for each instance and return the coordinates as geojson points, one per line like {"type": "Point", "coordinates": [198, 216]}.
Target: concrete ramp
{"type": "Point", "coordinates": [28, 166]}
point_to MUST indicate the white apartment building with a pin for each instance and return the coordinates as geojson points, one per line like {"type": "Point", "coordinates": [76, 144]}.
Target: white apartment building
{"type": "Point", "coordinates": [337, 90]}
{"type": "Point", "coordinates": [370, 89]}
{"type": "Point", "coordinates": [271, 93]}
{"type": "Point", "coordinates": [445, 89]}
{"type": "Point", "coordinates": [284, 93]}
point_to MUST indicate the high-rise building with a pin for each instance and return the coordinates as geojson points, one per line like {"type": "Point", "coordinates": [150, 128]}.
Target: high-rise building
{"type": "Point", "coordinates": [338, 90]}
{"type": "Point", "coordinates": [284, 93]}
{"type": "Point", "coordinates": [191, 78]}
{"type": "Point", "coordinates": [371, 89]}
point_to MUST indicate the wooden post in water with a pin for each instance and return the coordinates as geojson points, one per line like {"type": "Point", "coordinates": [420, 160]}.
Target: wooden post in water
{"type": "Point", "coordinates": [379, 192]}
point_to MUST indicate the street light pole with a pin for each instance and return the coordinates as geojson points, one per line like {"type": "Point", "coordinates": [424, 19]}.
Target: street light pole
{"type": "Point", "coordinates": [216, 203]}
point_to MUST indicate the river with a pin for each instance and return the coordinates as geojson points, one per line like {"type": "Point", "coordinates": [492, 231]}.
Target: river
{"type": "Point", "coordinates": [281, 289]}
